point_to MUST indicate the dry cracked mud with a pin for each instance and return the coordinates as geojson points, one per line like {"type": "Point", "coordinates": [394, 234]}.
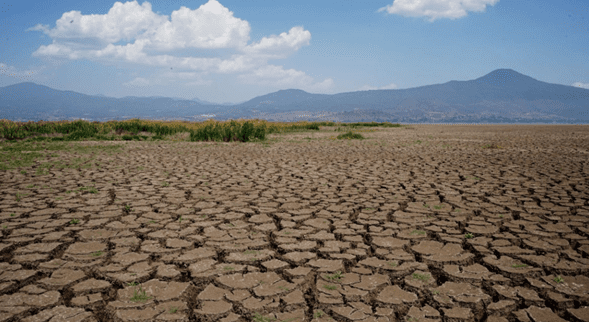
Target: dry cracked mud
{"type": "Point", "coordinates": [424, 223]}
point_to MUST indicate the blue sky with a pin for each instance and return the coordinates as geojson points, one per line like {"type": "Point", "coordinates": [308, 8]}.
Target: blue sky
{"type": "Point", "coordinates": [234, 50]}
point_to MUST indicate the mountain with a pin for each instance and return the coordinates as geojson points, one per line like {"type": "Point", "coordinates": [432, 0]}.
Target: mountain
{"type": "Point", "coordinates": [283, 98]}
{"type": "Point", "coordinates": [502, 95]}
{"type": "Point", "coordinates": [196, 99]}
{"type": "Point", "coordinates": [31, 101]}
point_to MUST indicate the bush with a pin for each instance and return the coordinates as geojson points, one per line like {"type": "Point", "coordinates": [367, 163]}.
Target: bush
{"type": "Point", "coordinates": [350, 135]}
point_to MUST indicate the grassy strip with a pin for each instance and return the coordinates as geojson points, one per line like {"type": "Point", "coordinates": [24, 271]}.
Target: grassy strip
{"type": "Point", "coordinates": [24, 145]}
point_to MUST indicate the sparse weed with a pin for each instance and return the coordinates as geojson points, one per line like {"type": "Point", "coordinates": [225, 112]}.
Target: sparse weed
{"type": "Point", "coordinates": [519, 265]}
{"type": "Point", "coordinates": [74, 221]}
{"type": "Point", "coordinates": [139, 296]}
{"type": "Point", "coordinates": [421, 277]}
{"type": "Point", "coordinates": [318, 314]}
{"type": "Point", "coordinates": [330, 287]}
{"type": "Point", "coordinates": [468, 236]}
{"type": "Point", "coordinates": [418, 232]}
{"type": "Point", "coordinates": [558, 279]}
{"type": "Point", "coordinates": [335, 276]}
{"type": "Point", "coordinates": [260, 318]}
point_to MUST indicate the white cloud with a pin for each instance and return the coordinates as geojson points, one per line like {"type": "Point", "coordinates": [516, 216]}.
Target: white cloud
{"type": "Point", "coordinates": [283, 44]}
{"type": "Point", "coordinates": [581, 85]}
{"type": "Point", "coordinates": [122, 22]}
{"type": "Point", "coordinates": [211, 26]}
{"type": "Point", "coordinates": [370, 88]}
{"type": "Point", "coordinates": [24, 75]}
{"type": "Point", "coordinates": [137, 82]}
{"type": "Point", "coordinates": [278, 76]}
{"type": "Point", "coordinates": [436, 9]}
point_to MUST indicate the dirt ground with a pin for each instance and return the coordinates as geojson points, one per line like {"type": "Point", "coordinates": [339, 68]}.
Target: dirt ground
{"type": "Point", "coordinates": [422, 223]}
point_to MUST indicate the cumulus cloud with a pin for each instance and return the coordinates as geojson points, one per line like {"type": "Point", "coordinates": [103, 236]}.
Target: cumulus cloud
{"type": "Point", "coordinates": [581, 85]}
{"type": "Point", "coordinates": [370, 88]}
{"type": "Point", "coordinates": [281, 45]}
{"type": "Point", "coordinates": [272, 74]}
{"type": "Point", "coordinates": [436, 9]}
{"type": "Point", "coordinates": [137, 82]}
{"type": "Point", "coordinates": [131, 33]}
{"type": "Point", "coordinates": [24, 75]}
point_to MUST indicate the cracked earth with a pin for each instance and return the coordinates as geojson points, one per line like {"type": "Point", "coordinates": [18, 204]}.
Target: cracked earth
{"type": "Point", "coordinates": [412, 224]}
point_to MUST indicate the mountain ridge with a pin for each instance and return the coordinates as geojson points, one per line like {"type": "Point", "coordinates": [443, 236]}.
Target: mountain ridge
{"type": "Point", "coordinates": [500, 94]}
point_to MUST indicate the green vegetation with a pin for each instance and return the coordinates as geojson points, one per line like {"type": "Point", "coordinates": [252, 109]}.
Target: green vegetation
{"type": "Point", "coordinates": [468, 236]}
{"type": "Point", "coordinates": [260, 318]}
{"type": "Point", "coordinates": [74, 221]}
{"type": "Point", "coordinates": [318, 314]}
{"type": "Point", "coordinates": [335, 276]}
{"type": "Point", "coordinates": [173, 310]}
{"type": "Point", "coordinates": [330, 287]}
{"type": "Point", "coordinates": [139, 296]}
{"type": "Point", "coordinates": [418, 232]}
{"type": "Point", "coordinates": [519, 265]}
{"type": "Point", "coordinates": [421, 277]}
{"type": "Point", "coordinates": [491, 146]}
{"type": "Point", "coordinates": [558, 279]}
{"type": "Point", "coordinates": [96, 254]}
{"type": "Point", "coordinates": [42, 139]}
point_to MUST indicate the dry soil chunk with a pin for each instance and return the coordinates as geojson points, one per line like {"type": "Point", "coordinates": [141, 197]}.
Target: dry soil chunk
{"type": "Point", "coordinates": [91, 286]}
{"type": "Point", "coordinates": [62, 313]}
{"type": "Point", "coordinates": [537, 314]}
{"type": "Point", "coordinates": [249, 280]}
{"type": "Point", "coordinates": [86, 248]}
{"type": "Point", "coordinates": [394, 295]}
{"type": "Point", "coordinates": [581, 314]}
{"type": "Point", "coordinates": [438, 253]}
{"type": "Point", "coordinates": [62, 278]}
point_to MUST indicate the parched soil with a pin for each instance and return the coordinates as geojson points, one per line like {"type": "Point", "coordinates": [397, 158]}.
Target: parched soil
{"type": "Point", "coordinates": [422, 223]}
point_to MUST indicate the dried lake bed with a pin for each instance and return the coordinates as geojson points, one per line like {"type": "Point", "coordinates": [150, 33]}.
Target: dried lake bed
{"type": "Point", "coordinates": [419, 223]}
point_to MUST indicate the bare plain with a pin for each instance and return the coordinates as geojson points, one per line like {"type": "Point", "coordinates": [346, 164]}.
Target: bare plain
{"type": "Point", "coordinates": [419, 223]}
